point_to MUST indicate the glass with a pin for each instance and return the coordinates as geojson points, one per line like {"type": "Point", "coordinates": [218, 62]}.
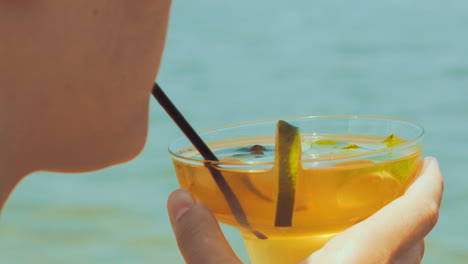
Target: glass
{"type": "Point", "coordinates": [333, 191]}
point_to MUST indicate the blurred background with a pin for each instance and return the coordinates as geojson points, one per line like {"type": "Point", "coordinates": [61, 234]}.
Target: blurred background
{"type": "Point", "coordinates": [235, 61]}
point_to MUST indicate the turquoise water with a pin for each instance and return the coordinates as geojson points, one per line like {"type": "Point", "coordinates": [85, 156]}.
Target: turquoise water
{"type": "Point", "coordinates": [235, 61]}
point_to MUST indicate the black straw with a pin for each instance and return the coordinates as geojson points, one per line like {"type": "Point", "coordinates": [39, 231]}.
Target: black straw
{"type": "Point", "coordinates": [208, 155]}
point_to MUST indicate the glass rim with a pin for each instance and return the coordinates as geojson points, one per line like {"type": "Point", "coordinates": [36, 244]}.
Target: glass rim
{"type": "Point", "coordinates": [371, 153]}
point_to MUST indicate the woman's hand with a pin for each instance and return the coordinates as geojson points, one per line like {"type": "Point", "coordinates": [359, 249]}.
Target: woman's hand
{"type": "Point", "coordinates": [395, 234]}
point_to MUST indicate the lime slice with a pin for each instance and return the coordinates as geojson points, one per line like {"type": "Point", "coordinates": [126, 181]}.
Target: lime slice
{"type": "Point", "coordinates": [287, 164]}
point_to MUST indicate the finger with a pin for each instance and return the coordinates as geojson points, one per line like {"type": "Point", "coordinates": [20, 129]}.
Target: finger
{"type": "Point", "coordinates": [198, 234]}
{"type": "Point", "coordinates": [412, 256]}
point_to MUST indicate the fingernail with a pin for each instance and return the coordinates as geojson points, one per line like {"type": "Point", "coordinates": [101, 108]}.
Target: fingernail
{"type": "Point", "coordinates": [183, 201]}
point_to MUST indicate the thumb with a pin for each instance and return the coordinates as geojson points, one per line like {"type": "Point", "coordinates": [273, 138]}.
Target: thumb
{"type": "Point", "coordinates": [198, 234]}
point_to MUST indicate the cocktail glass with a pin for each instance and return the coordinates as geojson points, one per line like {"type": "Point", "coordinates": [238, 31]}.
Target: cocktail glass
{"type": "Point", "coordinates": [336, 186]}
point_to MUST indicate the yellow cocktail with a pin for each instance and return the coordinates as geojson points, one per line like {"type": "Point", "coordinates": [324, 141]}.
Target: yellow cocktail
{"type": "Point", "coordinates": [350, 167]}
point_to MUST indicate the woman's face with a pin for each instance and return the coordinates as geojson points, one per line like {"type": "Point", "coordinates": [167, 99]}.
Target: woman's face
{"type": "Point", "coordinates": [75, 80]}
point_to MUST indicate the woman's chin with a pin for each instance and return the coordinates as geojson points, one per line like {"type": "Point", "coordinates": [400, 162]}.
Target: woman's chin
{"type": "Point", "coordinates": [94, 155]}
{"type": "Point", "coordinates": [91, 162]}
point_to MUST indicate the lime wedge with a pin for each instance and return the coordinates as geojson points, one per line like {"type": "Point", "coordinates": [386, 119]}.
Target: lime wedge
{"type": "Point", "coordinates": [287, 164]}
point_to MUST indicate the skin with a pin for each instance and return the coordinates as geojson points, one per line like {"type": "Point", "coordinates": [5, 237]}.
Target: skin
{"type": "Point", "coordinates": [395, 234]}
{"type": "Point", "coordinates": [75, 83]}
